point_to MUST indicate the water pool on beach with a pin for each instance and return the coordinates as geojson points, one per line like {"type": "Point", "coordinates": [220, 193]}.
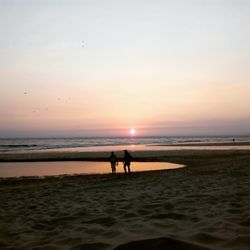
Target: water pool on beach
{"type": "Point", "coordinates": [19, 169]}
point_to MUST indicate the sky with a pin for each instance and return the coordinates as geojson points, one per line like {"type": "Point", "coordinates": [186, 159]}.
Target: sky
{"type": "Point", "coordinates": [103, 67]}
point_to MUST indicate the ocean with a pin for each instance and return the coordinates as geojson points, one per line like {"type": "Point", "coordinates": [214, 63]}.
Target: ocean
{"type": "Point", "coordinates": [82, 144]}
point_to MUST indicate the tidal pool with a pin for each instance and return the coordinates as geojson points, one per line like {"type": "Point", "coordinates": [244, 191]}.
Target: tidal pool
{"type": "Point", "coordinates": [18, 169]}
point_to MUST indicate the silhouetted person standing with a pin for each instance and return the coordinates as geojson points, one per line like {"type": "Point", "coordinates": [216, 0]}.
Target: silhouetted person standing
{"type": "Point", "coordinates": [114, 162]}
{"type": "Point", "coordinates": [127, 161]}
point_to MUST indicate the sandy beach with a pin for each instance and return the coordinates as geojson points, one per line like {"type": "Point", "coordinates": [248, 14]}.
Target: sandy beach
{"type": "Point", "coordinates": [203, 206]}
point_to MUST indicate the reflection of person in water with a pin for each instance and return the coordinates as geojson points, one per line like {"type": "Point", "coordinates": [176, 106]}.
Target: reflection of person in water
{"type": "Point", "coordinates": [114, 162]}
{"type": "Point", "coordinates": [127, 161]}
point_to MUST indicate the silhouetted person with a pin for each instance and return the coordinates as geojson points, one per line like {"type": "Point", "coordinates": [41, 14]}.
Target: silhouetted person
{"type": "Point", "coordinates": [127, 161]}
{"type": "Point", "coordinates": [114, 162]}
{"type": "Point", "coordinates": [233, 140]}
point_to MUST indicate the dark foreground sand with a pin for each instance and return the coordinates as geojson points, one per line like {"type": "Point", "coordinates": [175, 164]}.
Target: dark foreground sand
{"type": "Point", "coordinates": [203, 206]}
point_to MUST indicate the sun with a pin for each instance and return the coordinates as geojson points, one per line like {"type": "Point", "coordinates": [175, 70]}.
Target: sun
{"type": "Point", "coordinates": [132, 131]}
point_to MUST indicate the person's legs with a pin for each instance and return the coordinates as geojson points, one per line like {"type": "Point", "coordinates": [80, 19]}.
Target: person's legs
{"type": "Point", "coordinates": [113, 167]}
{"type": "Point", "coordinates": [124, 166]}
{"type": "Point", "coordinates": [129, 168]}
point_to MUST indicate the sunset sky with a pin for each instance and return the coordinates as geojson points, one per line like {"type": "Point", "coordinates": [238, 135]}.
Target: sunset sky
{"type": "Point", "coordinates": [102, 67]}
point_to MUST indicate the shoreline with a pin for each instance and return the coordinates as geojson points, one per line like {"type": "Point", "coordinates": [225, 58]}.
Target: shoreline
{"type": "Point", "coordinates": [186, 158]}
{"type": "Point", "coordinates": [246, 143]}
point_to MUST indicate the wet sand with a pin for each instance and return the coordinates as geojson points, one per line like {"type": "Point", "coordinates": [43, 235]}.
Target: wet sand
{"type": "Point", "coordinates": [138, 155]}
{"type": "Point", "coordinates": [210, 144]}
{"type": "Point", "coordinates": [203, 206]}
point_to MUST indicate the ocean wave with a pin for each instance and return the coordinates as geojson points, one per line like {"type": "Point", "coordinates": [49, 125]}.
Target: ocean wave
{"type": "Point", "coordinates": [21, 145]}
{"type": "Point", "coordinates": [188, 141]}
{"type": "Point", "coordinates": [17, 146]}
